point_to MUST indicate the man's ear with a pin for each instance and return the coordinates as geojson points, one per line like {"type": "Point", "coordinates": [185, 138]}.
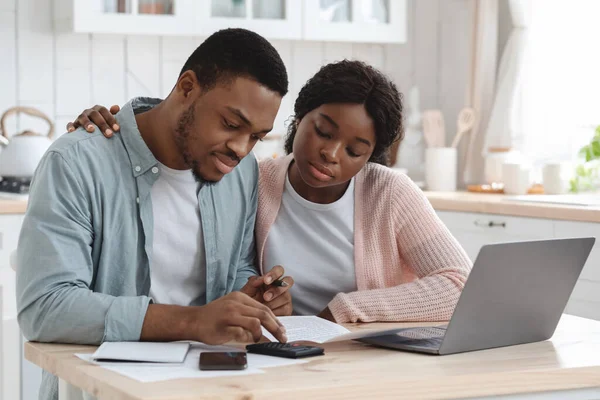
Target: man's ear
{"type": "Point", "coordinates": [187, 84]}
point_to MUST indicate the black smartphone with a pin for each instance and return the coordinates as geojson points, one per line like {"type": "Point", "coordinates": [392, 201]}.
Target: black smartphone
{"type": "Point", "coordinates": [223, 361]}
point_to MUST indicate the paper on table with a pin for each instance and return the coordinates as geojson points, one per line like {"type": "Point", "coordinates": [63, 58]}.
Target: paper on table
{"type": "Point", "coordinates": [309, 328]}
{"type": "Point", "coordinates": [145, 372]}
{"type": "Point", "coordinates": [319, 330]}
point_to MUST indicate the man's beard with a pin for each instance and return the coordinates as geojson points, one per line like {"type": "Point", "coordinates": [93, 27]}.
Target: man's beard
{"type": "Point", "coordinates": [182, 140]}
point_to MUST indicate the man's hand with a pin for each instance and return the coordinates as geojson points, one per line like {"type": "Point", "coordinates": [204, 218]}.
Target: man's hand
{"type": "Point", "coordinates": [98, 115]}
{"type": "Point", "coordinates": [277, 298]}
{"type": "Point", "coordinates": [234, 317]}
{"type": "Point", "coordinates": [237, 317]}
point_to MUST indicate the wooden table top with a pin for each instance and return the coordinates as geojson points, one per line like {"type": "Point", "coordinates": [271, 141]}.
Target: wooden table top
{"type": "Point", "coordinates": [570, 360]}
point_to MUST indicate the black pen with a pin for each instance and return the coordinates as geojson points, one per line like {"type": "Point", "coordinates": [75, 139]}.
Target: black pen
{"type": "Point", "coordinates": [279, 283]}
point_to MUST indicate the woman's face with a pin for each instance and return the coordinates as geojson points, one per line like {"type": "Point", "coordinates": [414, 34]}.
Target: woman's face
{"type": "Point", "coordinates": [333, 143]}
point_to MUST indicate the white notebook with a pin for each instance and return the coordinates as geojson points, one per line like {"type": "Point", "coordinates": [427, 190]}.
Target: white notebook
{"type": "Point", "coordinates": [150, 352]}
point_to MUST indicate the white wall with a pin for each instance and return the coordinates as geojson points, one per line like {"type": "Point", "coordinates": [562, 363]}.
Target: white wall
{"type": "Point", "coordinates": [62, 74]}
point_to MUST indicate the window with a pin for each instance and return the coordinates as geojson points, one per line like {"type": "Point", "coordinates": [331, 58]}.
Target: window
{"type": "Point", "coordinates": [560, 98]}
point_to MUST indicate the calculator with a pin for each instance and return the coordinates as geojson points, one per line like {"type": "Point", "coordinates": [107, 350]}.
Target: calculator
{"type": "Point", "coordinates": [287, 350]}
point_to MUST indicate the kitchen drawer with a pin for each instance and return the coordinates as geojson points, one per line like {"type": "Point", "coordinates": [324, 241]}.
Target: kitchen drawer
{"type": "Point", "coordinates": [506, 225]}
{"type": "Point", "coordinates": [568, 229]}
{"type": "Point", "coordinates": [476, 230]}
{"type": "Point", "coordinates": [10, 226]}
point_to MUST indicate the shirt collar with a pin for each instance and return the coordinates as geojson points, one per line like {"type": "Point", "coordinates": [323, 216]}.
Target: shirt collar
{"type": "Point", "coordinates": [140, 155]}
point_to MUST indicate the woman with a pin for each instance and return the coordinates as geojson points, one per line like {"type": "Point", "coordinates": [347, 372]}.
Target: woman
{"type": "Point", "coordinates": [361, 241]}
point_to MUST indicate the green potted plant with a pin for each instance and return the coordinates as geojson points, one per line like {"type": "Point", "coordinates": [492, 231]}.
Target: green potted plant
{"type": "Point", "coordinates": [587, 174]}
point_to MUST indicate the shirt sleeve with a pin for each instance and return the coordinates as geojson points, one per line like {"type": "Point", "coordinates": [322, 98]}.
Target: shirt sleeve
{"type": "Point", "coordinates": [55, 268]}
{"type": "Point", "coordinates": [432, 254]}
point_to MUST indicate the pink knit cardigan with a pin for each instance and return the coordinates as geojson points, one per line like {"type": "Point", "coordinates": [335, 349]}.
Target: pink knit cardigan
{"type": "Point", "coordinates": [408, 265]}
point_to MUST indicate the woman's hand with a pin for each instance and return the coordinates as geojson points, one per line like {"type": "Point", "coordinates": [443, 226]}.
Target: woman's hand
{"type": "Point", "coordinates": [326, 314]}
{"type": "Point", "coordinates": [276, 297]}
{"type": "Point", "coordinates": [100, 116]}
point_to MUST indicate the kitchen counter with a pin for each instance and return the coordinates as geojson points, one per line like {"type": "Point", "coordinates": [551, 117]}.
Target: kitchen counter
{"type": "Point", "coordinates": [12, 206]}
{"type": "Point", "coordinates": [503, 205]}
{"type": "Point", "coordinates": [455, 201]}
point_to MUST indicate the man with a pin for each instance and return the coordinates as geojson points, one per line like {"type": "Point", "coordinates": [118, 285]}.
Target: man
{"type": "Point", "coordinates": [142, 237]}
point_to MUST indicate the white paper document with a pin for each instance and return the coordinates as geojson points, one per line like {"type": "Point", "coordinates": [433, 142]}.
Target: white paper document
{"type": "Point", "coordinates": [145, 372]}
{"type": "Point", "coordinates": [319, 330]}
{"type": "Point", "coordinates": [151, 352]}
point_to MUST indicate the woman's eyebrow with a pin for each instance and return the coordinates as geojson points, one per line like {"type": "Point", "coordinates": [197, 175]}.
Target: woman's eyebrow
{"type": "Point", "coordinates": [328, 118]}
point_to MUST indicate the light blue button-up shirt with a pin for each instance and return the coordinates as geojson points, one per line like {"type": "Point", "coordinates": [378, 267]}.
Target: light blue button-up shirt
{"type": "Point", "coordinates": [85, 250]}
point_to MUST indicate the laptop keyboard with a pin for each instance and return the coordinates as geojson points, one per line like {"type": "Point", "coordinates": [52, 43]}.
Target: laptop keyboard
{"type": "Point", "coordinates": [428, 337]}
{"type": "Point", "coordinates": [428, 332]}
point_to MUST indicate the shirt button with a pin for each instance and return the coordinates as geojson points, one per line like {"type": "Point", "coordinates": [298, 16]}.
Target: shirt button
{"type": "Point", "coordinates": [138, 168]}
{"type": "Point", "coordinates": [154, 170]}
{"type": "Point", "coordinates": [137, 200]}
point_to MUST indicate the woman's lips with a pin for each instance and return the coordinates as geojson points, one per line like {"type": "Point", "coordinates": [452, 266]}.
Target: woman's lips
{"type": "Point", "coordinates": [320, 172]}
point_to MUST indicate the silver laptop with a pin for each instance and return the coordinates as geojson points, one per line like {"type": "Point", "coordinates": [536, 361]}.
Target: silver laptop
{"type": "Point", "coordinates": [515, 294]}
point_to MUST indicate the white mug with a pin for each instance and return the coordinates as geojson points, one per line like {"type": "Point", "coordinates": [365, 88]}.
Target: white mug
{"type": "Point", "coordinates": [440, 169]}
{"type": "Point", "coordinates": [555, 178]}
{"type": "Point", "coordinates": [516, 178]}
{"type": "Point", "coordinates": [494, 160]}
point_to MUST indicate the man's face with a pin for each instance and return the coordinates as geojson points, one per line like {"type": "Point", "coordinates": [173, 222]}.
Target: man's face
{"type": "Point", "coordinates": [222, 125]}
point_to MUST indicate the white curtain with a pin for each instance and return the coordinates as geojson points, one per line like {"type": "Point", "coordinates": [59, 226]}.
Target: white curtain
{"type": "Point", "coordinates": [505, 127]}
{"type": "Point", "coordinates": [480, 92]}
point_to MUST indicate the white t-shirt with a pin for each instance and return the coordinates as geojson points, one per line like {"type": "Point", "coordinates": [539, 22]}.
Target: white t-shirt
{"type": "Point", "coordinates": [315, 245]}
{"type": "Point", "coordinates": [178, 270]}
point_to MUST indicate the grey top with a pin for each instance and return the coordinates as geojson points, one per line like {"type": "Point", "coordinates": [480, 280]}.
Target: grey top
{"type": "Point", "coordinates": [85, 248]}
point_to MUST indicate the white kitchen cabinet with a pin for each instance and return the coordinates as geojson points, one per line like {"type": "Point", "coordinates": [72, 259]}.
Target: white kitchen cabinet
{"type": "Point", "coordinates": [374, 21]}
{"type": "Point", "coordinates": [10, 339]}
{"type": "Point", "coordinates": [473, 230]}
{"type": "Point", "coordinates": [361, 21]}
{"type": "Point", "coordinates": [20, 379]}
{"type": "Point", "coordinates": [2, 396]}
{"type": "Point", "coordinates": [10, 336]}
{"type": "Point", "coordinates": [10, 226]}
{"type": "Point", "coordinates": [585, 300]}
{"type": "Point", "coordinates": [273, 19]}
{"type": "Point", "coordinates": [131, 17]}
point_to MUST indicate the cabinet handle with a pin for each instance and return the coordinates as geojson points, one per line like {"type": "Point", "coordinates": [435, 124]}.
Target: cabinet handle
{"type": "Point", "coordinates": [490, 224]}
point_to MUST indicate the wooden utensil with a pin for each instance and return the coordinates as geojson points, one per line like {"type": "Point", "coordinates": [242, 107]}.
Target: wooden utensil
{"type": "Point", "coordinates": [464, 123]}
{"type": "Point", "coordinates": [433, 128]}
{"type": "Point", "coordinates": [498, 188]}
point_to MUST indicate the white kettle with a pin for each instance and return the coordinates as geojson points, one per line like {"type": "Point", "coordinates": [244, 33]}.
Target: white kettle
{"type": "Point", "coordinates": [22, 153]}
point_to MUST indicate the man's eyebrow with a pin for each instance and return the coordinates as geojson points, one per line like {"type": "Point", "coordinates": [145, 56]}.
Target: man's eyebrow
{"type": "Point", "coordinates": [240, 114]}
